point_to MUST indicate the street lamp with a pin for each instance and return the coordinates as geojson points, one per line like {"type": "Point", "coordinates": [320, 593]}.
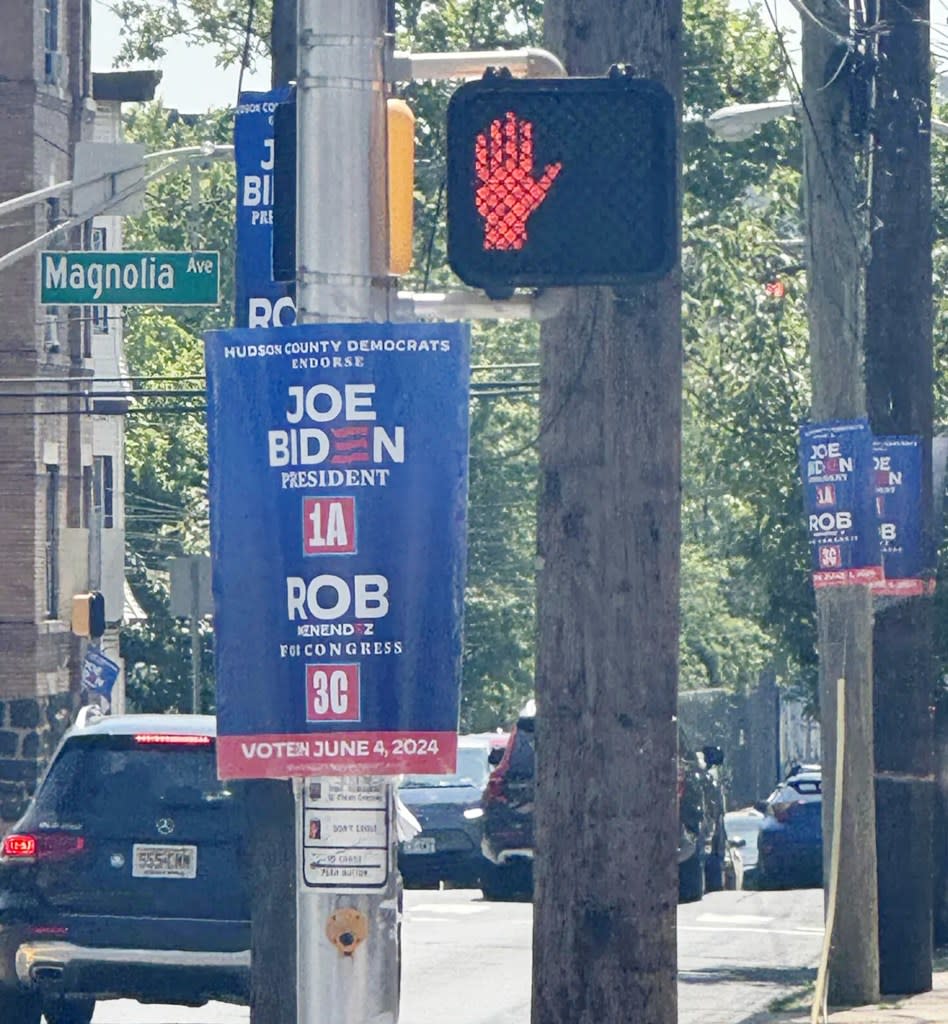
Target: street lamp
{"type": "Point", "coordinates": [742, 120]}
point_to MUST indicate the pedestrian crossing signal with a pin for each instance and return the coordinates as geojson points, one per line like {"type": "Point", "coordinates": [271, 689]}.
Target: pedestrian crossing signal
{"type": "Point", "coordinates": [567, 181]}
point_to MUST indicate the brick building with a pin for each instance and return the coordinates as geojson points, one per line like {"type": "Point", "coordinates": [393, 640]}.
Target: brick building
{"type": "Point", "coordinates": [61, 451]}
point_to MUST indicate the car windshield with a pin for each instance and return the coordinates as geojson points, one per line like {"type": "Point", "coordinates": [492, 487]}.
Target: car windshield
{"type": "Point", "coordinates": [522, 754]}
{"type": "Point", "coordinates": [806, 787]}
{"type": "Point", "coordinates": [798, 789]}
{"type": "Point", "coordinates": [472, 772]}
{"type": "Point", "coordinates": [109, 777]}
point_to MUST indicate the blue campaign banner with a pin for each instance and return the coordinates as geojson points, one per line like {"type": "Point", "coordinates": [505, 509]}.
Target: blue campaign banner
{"type": "Point", "coordinates": [338, 495]}
{"type": "Point", "coordinates": [907, 560]}
{"type": "Point", "coordinates": [259, 300]}
{"type": "Point", "coordinates": [837, 470]}
{"type": "Point", "coordinates": [99, 673]}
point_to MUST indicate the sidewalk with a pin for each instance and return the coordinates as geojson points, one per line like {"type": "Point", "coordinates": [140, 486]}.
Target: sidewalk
{"type": "Point", "coordinates": [927, 1008]}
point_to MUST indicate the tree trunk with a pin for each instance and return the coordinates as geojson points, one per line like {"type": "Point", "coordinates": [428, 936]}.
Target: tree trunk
{"type": "Point", "coordinates": [271, 822]}
{"type": "Point", "coordinates": [283, 43]}
{"type": "Point", "coordinates": [837, 237]}
{"type": "Point", "coordinates": [271, 838]}
{"type": "Point", "coordinates": [609, 533]}
{"type": "Point", "coordinates": [899, 381]}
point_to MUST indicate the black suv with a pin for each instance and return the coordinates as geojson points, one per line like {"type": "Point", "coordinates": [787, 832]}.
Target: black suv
{"type": "Point", "coordinates": [122, 879]}
{"type": "Point", "coordinates": [702, 842]}
{"type": "Point", "coordinates": [508, 818]}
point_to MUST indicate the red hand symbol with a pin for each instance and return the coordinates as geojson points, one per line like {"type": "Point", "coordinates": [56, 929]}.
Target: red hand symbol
{"type": "Point", "coordinates": [508, 192]}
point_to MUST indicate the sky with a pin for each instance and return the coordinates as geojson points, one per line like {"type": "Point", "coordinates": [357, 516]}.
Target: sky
{"type": "Point", "coordinates": [192, 83]}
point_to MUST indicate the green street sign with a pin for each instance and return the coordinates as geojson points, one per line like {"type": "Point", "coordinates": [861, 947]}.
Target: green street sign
{"type": "Point", "coordinates": [129, 278]}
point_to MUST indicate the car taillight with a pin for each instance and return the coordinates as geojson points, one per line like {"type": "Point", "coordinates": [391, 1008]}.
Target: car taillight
{"type": "Point", "coordinates": [19, 846]}
{"type": "Point", "coordinates": [785, 811]}
{"type": "Point", "coordinates": [494, 791]}
{"type": "Point", "coordinates": [177, 739]}
{"type": "Point", "coordinates": [42, 846]}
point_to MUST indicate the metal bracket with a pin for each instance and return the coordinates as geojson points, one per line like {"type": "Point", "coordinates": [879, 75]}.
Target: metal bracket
{"type": "Point", "coordinates": [530, 62]}
{"type": "Point", "coordinates": [467, 305]}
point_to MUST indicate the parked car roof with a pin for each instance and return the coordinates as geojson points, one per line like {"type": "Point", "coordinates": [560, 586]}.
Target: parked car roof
{"type": "Point", "coordinates": [483, 739]}
{"type": "Point", "coordinates": [131, 725]}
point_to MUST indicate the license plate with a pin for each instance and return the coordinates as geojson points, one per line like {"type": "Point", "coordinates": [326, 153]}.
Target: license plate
{"type": "Point", "coordinates": [153, 861]}
{"type": "Point", "coordinates": [420, 844]}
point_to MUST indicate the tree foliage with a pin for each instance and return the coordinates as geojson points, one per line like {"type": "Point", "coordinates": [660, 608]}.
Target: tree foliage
{"type": "Point", "coordinates": [746, 600]}
{"type": "Point", "coordinates": [231, 29]}
{"type": "Point", "coordinates": [166, 443]}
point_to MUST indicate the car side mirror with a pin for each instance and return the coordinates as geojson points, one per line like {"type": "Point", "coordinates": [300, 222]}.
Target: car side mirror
{"type": "Point", "coordinates": [713, 756]}
{"type": "Point", "coordinates": [495, 756]}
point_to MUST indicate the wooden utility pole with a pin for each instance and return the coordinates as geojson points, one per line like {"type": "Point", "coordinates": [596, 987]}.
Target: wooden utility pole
{"type": "Point", "coordinates": [283, 43]}
{"type": "Point", "coordinates": [900, 401]}
{"type": "Point", "coordinates": [271, 874]}
{"type": "Point", "coordinates": [604, 946]}
{"type": "Point", "coordinates": [837, 240]}
{"type": "Point", "coordinates": [271, 833]}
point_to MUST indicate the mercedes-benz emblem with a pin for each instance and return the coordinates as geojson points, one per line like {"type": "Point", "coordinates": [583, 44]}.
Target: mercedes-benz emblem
{"type": "Point", "coordinates": [165, 826]}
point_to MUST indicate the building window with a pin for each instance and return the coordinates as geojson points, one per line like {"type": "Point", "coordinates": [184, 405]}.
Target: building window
{"type": "Point", "coordinates": [52, 542]}
{"type": "Point", "coordinates": [86, 497]}
{"type": "Point", "coordinates": [103, 490]}
{"type": "Point", "coordinates": [99, 315]}
{"type": "Point", "coordinates": [51, 329]}
{"type": "Point", "coordinates": [51, 13]}
{"type": "Point", "coordinates": [53, 212]}
{"type": "Point", "coordinates": [54, 59]}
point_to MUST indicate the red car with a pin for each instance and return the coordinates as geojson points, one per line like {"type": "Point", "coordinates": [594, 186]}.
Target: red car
{"type": "Point", "coordinates": [508, 841]}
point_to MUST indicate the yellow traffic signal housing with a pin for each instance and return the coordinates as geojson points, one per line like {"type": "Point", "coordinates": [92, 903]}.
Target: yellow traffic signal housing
{"type": "Point", "coordinates": [401, 185]}
{"type": "Point", "coordinates": [88, 615]}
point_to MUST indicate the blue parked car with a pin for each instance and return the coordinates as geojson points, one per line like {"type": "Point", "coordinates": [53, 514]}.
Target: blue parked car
{"type": "Point", "coordinates": [447, 807]}
{"type": "Point", "coordinates": [790, 841]}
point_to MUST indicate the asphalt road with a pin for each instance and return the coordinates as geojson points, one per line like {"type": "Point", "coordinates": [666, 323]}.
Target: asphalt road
{"type": "Point", "coordinates": [737, 952]}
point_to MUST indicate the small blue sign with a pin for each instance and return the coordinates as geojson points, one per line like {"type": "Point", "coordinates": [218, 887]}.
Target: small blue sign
{"type": "Point", "coordinates": [98, 673]}
{"type": "Point", "coordinates": [907, 559]}
{"type": "Point", "coordinates": [836, 467]}
{"type": "Point", "coordinates": [259, 300]}
{"type": "Point", "coordinates": [338, 485]}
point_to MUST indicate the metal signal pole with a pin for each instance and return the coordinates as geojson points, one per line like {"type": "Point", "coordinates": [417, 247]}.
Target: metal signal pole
{"type": "Point", "coordinates": [347, 952]}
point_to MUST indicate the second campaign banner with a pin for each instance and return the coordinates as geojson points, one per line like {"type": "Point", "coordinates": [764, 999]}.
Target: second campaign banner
{"type": "Point", "coordinates": [864, 509]}
{"type": "Point", "coordinates": [259, 300]}
{"type": "Point", "coordinates": [338, 486]}
{"type": "Point", "coordinates": [836, 466]}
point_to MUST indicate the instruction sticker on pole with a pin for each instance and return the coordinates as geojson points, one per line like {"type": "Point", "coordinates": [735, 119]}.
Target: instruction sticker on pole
{"type": "Point", "coordinates": [837, 470]}
{"type": "Point", "coordinates": [338, 483]}
{"type": "Point", "coordinates": [345, 834]}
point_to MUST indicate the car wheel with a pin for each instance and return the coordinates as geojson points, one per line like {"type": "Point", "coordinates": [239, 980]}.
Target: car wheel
{"type": "Point", "coordinates": [714, 877]}
{"type": "Point", "coordinates": [691, 880]}
{"type": "Point", "coordinates": [69, 1011]}
{"type": "Point", "coordinates": [509, 883]}
{"type": "Point", "coordinates": [22, 1007]}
